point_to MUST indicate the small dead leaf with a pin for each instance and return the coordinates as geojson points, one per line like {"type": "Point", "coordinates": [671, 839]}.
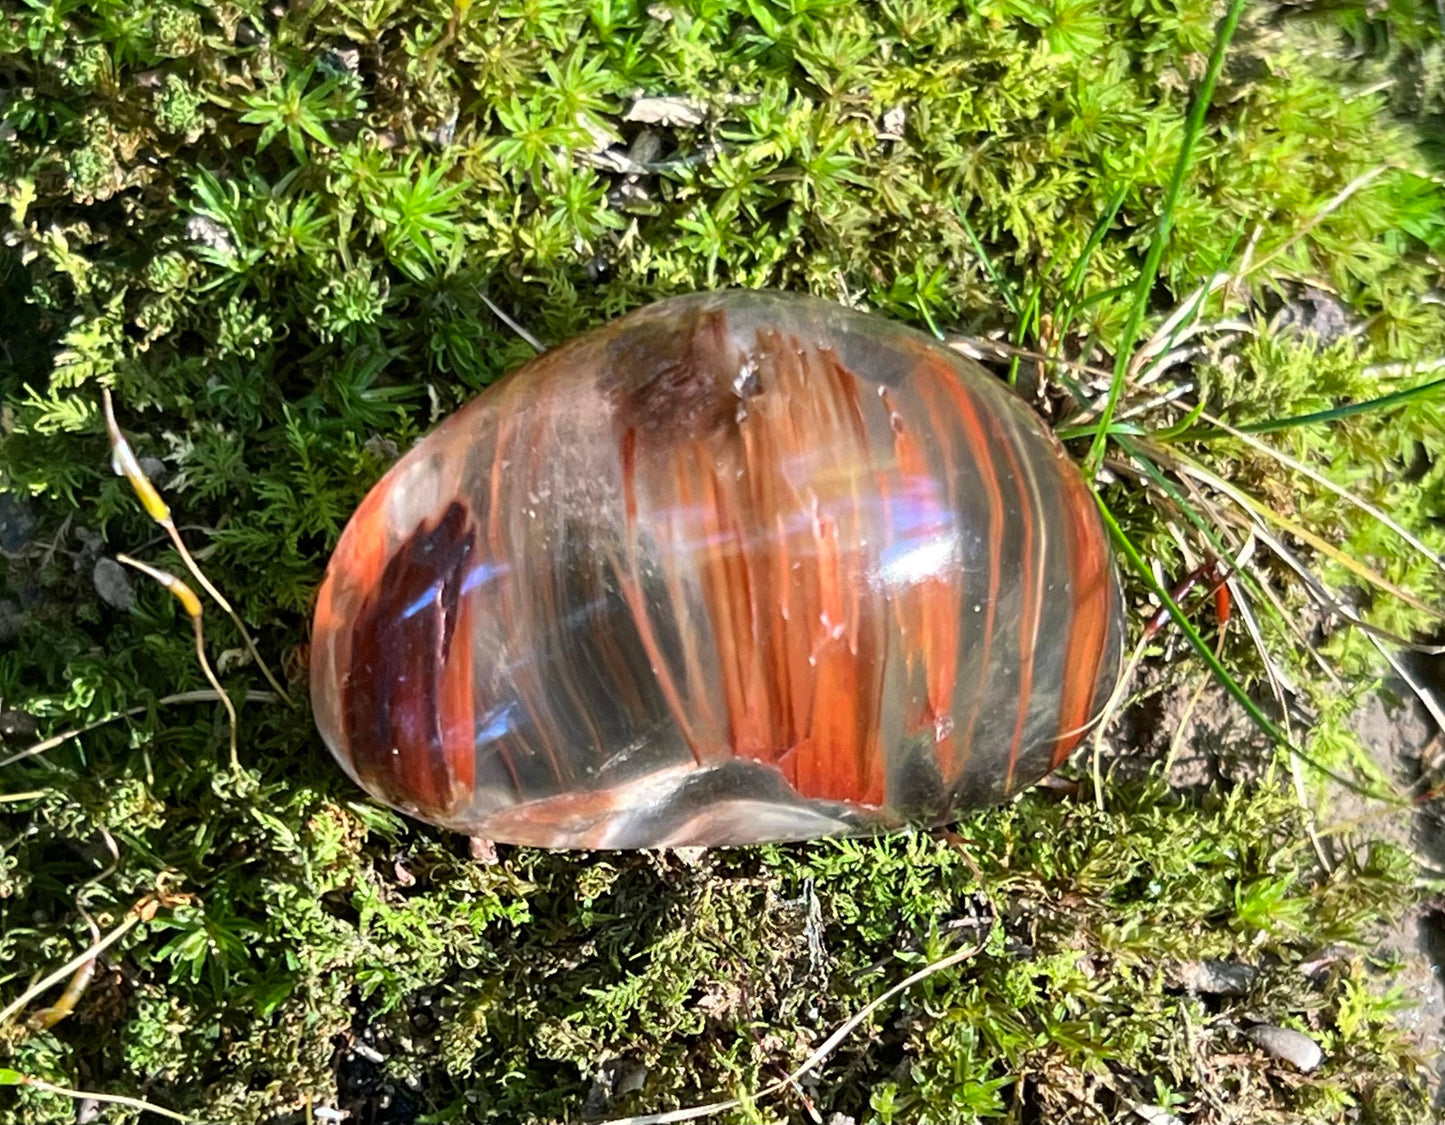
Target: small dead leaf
{"type": "Point", "coordinates": [1155, 1115]}
{"type": "Point", "coordinates": [891, 127]}
{"type": "Point", "coordinates": [232, 658]}
{"type": "Point", "coordinates": [667, 111]}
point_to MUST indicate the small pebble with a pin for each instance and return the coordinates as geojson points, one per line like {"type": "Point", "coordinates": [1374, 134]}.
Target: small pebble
{"type": "Point", "coordinates": [1216, 978]}
{"type": "Point", "coordinates": [18, 725]}
{"type": "Point", "coordinates": [156, 470]}
{"type": "Point", "coordinates": [112, 583]}
{"type": "Point", "coordinates": [630, 1080]}
{"type": "Point", "coordinates": [1295, 1048]}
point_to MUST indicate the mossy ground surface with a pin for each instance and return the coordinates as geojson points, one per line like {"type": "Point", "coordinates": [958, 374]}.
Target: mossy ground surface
{"type": "Point", "coordinates": [269, 229]}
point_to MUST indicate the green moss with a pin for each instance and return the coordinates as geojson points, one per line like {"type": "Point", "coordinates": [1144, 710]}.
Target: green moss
{"type": "Point", "coordinates": [269, 232]}
{"type": "Point", "coordinates": [176, 106]}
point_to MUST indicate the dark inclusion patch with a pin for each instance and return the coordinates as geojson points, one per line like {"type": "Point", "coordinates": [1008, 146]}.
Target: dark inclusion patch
{"type": "Point", "coordinates": [667, 384]}
{"type": "Point", "coordinates": [915, 785]}
{"type": "Point", "coordinates": [400, 642]}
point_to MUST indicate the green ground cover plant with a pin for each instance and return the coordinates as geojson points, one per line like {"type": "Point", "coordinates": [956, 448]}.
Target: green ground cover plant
{"type": "Point", "coordinates": [279, 236]}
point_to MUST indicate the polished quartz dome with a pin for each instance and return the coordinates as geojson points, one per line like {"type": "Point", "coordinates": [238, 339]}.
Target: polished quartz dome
{"type": "Point", "coordinates": [736, 567]}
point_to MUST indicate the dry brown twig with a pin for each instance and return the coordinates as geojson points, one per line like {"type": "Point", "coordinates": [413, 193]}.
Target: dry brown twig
{"type": "Point", "coordinates": [80, 981]}
{"type": "Point", "coordinates": [143, 911]}
{"type": "Point", "coordinates": [207, 696]}
{"type": "Point", "coordinates": [15, 1078]}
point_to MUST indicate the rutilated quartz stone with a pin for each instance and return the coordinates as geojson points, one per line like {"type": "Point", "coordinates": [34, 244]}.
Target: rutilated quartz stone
{"type": "Point", "coordinates": [736, 567]}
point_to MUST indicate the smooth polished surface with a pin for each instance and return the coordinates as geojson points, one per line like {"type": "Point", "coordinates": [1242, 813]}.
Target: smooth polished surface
{"type": "Point", "coordinates": [736, 567]}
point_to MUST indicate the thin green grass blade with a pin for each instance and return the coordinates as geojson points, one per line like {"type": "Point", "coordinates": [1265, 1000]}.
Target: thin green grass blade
{"type": "Point", "coordinates": [1185, 423]}
{"type": "Point", "coordinates": [1004, 289]}
{"type": "Point", "coordinates": [1096, 236]}
{"type": "Point", "coordinates": [1384, 402]}
{"type": "Point", "coordinates": [1134, 429]}
{"type": "Point", "coordinates": [928, 320]}
{"type": "Point", "coordinates": [1103, 295]}
{"type": "Point", "coordinates": [1027, 323]}
{"type": "Point", "coordinates": [1068, 433]}
{"type": "Point", "coordinates": [1193, 129]}
{"type": "Point", "coordinates": [1200, 524]}
{"type": "Point", "coordinates": [1167, 486]}
{"type": "Point", "coordinates": [1227, 681]}
{"type": "Point", "coordinates": [1068, 310]}
{"type": "Point", "coordinates": [1118, 429]}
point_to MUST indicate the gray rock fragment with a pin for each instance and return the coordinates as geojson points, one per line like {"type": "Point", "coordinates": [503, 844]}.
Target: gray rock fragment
{"type": "Point", "coordinates": [112, 583]}
{"type": "Point", "coordinates": [1216, 978]}
{"type": "Point", "coordinates": [17, 725]}
{"type": "Point", "coordinates": [1290, 1046]}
